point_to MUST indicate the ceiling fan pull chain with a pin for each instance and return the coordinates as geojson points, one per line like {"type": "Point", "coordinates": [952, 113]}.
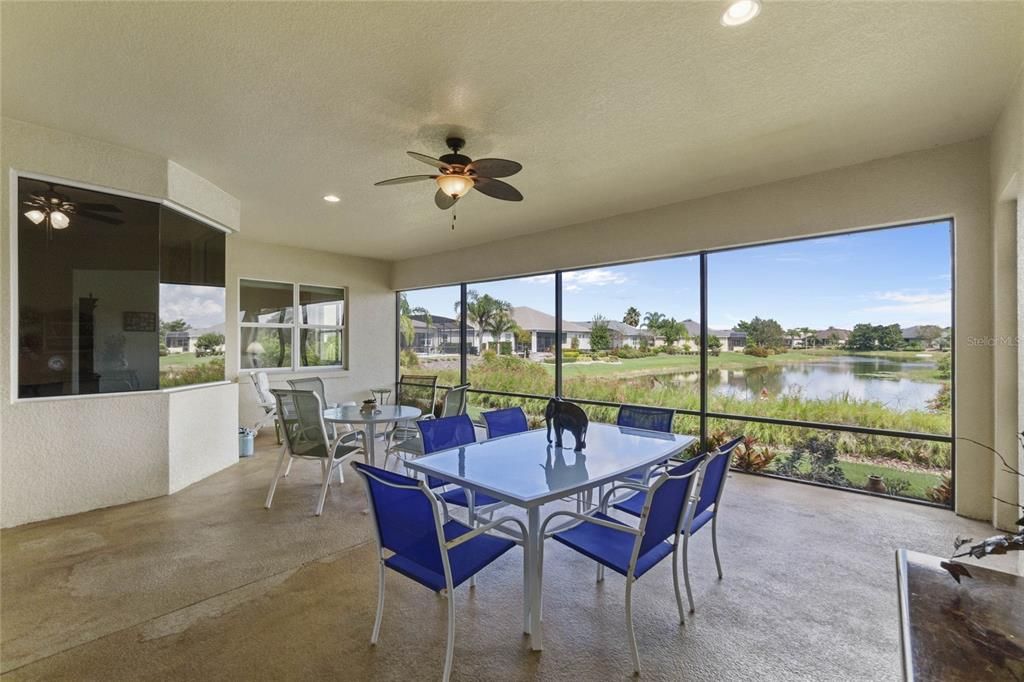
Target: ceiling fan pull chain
{"type": "Point", "coordinates": [453, 219]}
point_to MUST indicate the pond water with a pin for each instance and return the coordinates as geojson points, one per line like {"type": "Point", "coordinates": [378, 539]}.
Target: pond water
{"type": "Point", "coordinates": [859, 378]}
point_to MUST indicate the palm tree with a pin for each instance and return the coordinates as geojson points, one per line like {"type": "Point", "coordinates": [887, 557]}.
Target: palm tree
{"type": "Point", "coordinates": [482, 308]}
{"type": "Point", "coordinates": [498, 324]}
{"type": "Point", "coordinates": [654, 320]}
{"type": "Point", "coordinates": [405, 319]}
{"type": "Point", "coordinates": [632, 317]}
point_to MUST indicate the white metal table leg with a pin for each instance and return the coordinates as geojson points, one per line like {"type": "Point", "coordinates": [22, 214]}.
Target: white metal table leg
{"type": "Point", "coordinates": [533, 525]}
{"type": "Point", "coordinates": [371, 436]}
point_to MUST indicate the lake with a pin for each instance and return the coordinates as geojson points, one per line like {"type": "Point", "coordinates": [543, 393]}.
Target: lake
{"type": "Point", "coordinates": [860, 378]}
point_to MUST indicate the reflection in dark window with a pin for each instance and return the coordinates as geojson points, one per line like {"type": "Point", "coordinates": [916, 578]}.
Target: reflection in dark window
{"type": "Point", "coordinates": [191, 301]}
{"type": "Point", "coordinates": [265, 302]}
{"type": "Point", "coordinates": [107, 287]}
{"type": "Point", "coordinates": [88, 307]}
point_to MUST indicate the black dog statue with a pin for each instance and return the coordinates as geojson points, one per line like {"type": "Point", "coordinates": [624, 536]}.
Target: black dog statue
{"type": "Point", "coordinates": [569, 417]}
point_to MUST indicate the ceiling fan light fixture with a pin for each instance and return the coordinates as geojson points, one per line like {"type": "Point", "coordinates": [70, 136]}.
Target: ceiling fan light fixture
{"type": "Point", "coordinates": [332, 198]}
{"type": "Point", "coordinates": [35, 215]}
{"type": "Point", "coordinates": [59, 220]}
{"type": "Point", "coordinates": [455, 185]}
{"type": "Point", "coordinates": [740, 12]}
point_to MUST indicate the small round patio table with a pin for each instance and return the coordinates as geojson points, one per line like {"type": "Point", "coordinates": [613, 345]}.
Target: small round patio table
{"type": "Point", "coordinates": [384, 414]}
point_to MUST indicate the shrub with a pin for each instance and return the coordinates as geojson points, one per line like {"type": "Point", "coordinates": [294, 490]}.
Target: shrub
{"type": "Point", "coordinates": [204, 373]}
{"type": "Point", "coordinates": [944, 368]}
{"type": "Point", "coordinates": [942, 401]}
{"type": "Point", "coordinates": [673, 350]}
{"type": "Point", "coordinates": [408, 358]}
{"type": "Point", "coordinates": [749, 457]}
{"type": "Point", "coordinates": [570, 355]}
{"type": "Point", "coordinates": [943, 492]}
{"type": "Point", "coordinates": [575, 343]}
{"type": "Point", "coordinates": [163, 350]}
{"type": "Point", "coordinates": [757, 351]}
{"type": "Point", "coordinates": [896, 486]}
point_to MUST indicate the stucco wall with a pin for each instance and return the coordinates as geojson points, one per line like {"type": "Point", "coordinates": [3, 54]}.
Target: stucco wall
{"type": "Point", "coordinates": [1008, 224]}
{"type": "Point", "coordinates": [952, 180]}
{"type": "Point", "coordinates": [370, 328]}
{"type": "Point", "coordinates": [66, 455]}
{"type": "Point", "coordinates": [201, 433]}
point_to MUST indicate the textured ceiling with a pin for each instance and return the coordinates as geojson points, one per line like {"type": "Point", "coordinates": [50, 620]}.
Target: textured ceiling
{"type": "Point", "coordinates": [611, 108]}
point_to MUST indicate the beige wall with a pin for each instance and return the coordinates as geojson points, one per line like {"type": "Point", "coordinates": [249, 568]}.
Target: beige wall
{"type": "Point", "coordinates": [951, 180]}
{"type": "Point", "coordinates": [371, 316]}
{"type": "Point", "coordinates": [1007, 150]}
{"type": "Point", "coordinates": [67, 455]}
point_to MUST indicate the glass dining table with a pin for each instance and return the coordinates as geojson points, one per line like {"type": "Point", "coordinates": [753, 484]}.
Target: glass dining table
{"type": "Point", "coordinates": [526, 471]}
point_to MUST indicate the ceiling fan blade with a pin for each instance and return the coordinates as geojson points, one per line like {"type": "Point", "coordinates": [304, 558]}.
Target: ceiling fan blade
{"type": "Point", "coordinates": [98, 217]}
{"type": "Point", "coordinates": [103, 208]}
{"type": "Point", "coordinates": [402, 180]}
{"type": "Point", "coordinates": [443, 201]}
{"type": "Point", "coordinates": [429, 160]}
{"type": "Point", "coordinates": [494, 168]}
{"type": "Point", "coordinates": [497, 189]}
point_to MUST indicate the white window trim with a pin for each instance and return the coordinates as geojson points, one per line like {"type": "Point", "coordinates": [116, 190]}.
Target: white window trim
{"type": "Point", "coordinates": [296, 326]}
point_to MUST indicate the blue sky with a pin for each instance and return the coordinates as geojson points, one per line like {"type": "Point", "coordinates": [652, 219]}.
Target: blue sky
{"type": "Point", "coordinates": [890, 276]}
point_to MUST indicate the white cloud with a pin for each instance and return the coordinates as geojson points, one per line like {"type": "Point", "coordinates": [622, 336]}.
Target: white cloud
{"type": "Point", "coordinates": [576, 281]}
{"type": "Point", "coordinates": [911, 306]}
{"type": "Point", "coordinates": [199, 306]}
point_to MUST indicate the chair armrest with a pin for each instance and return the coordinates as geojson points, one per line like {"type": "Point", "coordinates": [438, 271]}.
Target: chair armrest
{"type": "Point", "coordinates": [603, 506]}
{"type": "Point", "coordinates": [479, 530]}
{"type": "Point", "coordinates": [588, 519]}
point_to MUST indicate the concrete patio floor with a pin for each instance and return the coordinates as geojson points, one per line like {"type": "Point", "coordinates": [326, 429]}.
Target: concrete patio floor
{"type": "Point", "coordinates": [206, 584]}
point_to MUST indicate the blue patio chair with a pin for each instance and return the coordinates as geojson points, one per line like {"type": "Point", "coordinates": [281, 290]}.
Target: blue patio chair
{"type": "Point", "coordinates": [440, 555]}
{"type": "Point", "coordinates": [453, 432]}
{"type": "Point", "coordinates": [506, 421]}
{"type": "Point", "coordinates": [649, 418]}
{"type": "Point", "coordinates": [711, 488]}
{"type": "Point", "coordinates": [629, 551]}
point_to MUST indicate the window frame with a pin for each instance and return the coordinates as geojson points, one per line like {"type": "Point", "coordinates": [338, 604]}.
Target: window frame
{"type": "Point", "coordinates": [703, 412]}
{"type": "Point", "coordinates": [296, 326]}
{"type": "Point", "coordinates": [14, 322]}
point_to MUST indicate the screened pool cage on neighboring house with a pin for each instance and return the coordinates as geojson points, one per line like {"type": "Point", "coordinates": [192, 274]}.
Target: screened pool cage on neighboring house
{"type": "Point", "coordinates": [874, 419]}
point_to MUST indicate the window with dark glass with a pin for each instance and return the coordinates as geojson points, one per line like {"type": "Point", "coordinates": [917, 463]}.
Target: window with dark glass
{"type": "Point", "coordinates": [191, 301]}
{"type": "Point", "coordinates": [97, 275]}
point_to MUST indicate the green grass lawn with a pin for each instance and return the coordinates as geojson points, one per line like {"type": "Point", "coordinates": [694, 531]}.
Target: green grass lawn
{"type": "Point", "coordinates": [179, 360]}
{"type": "Point", "coordinates": [920, 481]}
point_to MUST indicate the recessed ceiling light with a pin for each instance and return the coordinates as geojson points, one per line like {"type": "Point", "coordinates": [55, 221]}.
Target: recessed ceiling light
{"type": "Point", "coordinates": [740, 12]}
{"type": "Point", "coordinates": [331, 198]}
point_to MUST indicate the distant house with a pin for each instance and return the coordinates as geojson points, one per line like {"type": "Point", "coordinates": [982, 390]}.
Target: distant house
{"type": "Point", "coordinates": [831, 337]}
{"type": "Point", "coordinates": [434, 334]}
{"type": "Point", "coordinates": [542, 330]}
{"type": "Point", "coordinates": [730, 339]}
{"type": "Point", "coordinates": [185, 341]}
{"type": "Point", "coordinates": [926, 335]}
{"type": "Point", "coordinates": [624, 335]}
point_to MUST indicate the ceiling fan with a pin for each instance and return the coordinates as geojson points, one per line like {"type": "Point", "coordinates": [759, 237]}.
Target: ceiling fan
{"type": "Point", "coordinates": [459, 174]}
{"type": "Point", "coordinates": [56, 210]}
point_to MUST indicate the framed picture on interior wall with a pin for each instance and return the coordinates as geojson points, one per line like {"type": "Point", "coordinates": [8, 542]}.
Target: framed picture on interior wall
{"type": "Point", "coordinates": [139, 322]}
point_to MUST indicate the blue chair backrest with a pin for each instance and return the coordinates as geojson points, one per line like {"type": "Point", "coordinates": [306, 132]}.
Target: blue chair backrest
{"type": "Point", "coordinates": [506, 421]}
{"type": "Point", "coordinates": [404, 515]}
{"type": "Point", "coordinates": [447, 432]}
{"type": "Point", "coordinates": [650, 418]}
{"type": "Point", "coordinates": [714, 475]}
{"type": "Point", "coordinates": [668, 504]}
